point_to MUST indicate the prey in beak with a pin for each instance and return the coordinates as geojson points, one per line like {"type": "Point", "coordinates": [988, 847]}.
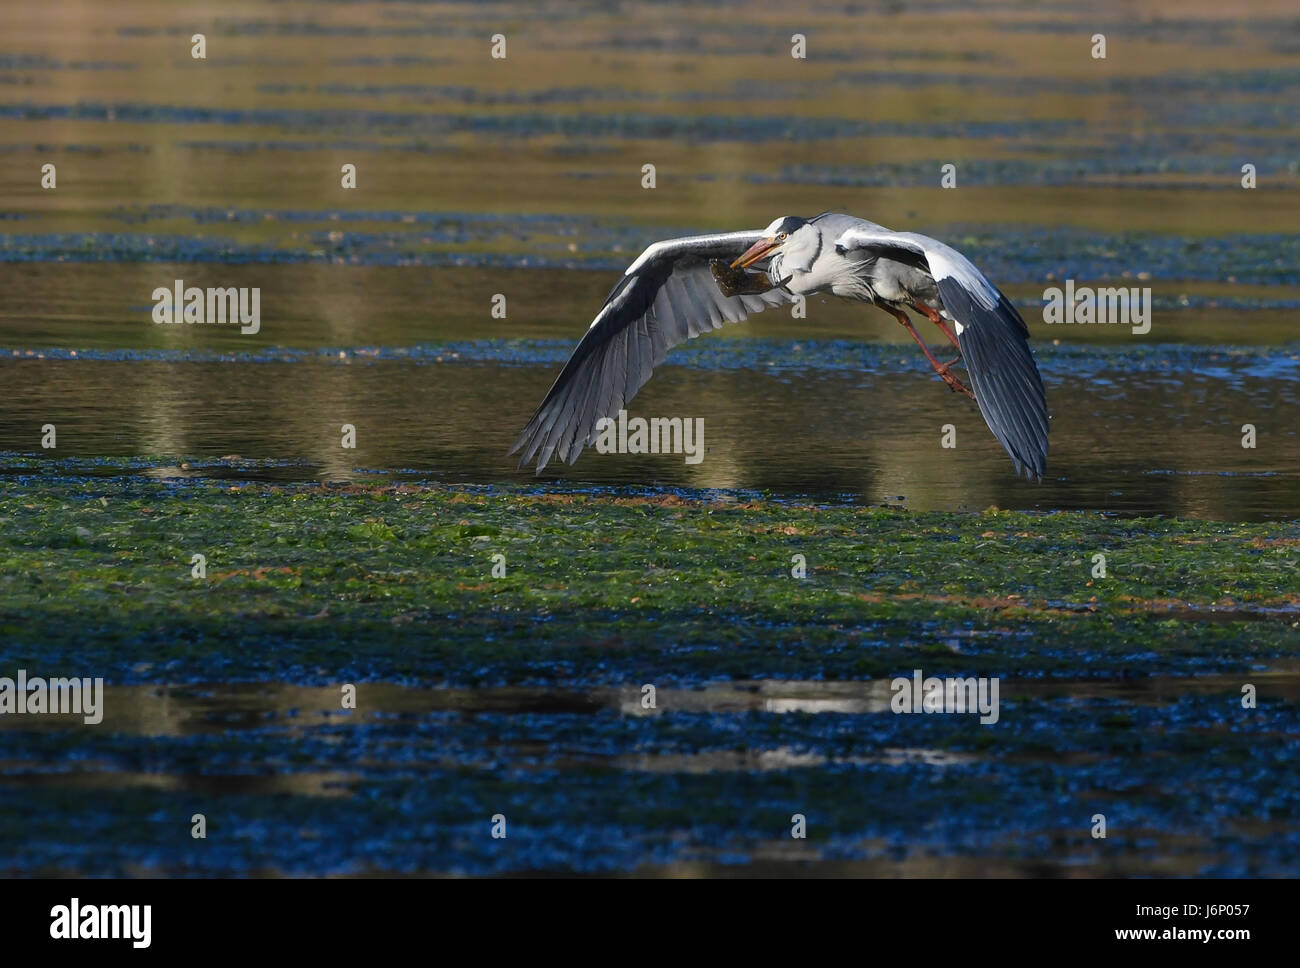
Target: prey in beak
{"type": "Point", "coordinates": [755, 252]}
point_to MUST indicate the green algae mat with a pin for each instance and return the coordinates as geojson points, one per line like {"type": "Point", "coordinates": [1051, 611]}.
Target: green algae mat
{"type": "Point", "coordinates": [636, 681]}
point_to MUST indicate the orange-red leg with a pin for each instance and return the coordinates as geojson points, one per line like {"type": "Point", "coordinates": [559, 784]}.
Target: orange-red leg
{"type": "Point", "coordinates": [938, 321]}
{"type": "Point", "coordinates": [940, 368]}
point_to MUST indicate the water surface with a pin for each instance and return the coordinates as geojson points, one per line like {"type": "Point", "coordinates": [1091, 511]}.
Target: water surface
{"type": "Point", "coordinates": [478, 177]}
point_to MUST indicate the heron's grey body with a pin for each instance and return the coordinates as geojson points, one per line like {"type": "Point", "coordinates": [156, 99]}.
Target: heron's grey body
{"type": "Point", "coordinates": [813, 262]}
{"type": "Point", "coordinates": [670, 294]}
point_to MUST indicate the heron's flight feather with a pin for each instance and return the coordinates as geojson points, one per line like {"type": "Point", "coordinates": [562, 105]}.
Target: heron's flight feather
{"type": "Point", "coordinates": [667, 295]}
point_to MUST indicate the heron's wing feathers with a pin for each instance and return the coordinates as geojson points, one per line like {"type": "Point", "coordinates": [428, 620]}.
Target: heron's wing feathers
{"type": "Point", "coordinates": [993, 339]}
{"type": "Point", "coordinates": [668, 295]}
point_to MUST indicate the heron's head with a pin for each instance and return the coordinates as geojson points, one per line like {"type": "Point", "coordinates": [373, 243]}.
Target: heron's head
{"type": "Point", "coordinates": [791, 237]}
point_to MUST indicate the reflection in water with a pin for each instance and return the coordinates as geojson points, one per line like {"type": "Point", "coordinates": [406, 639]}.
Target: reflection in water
{"type": "Point", "coordinates": [838, 405]}
{"type": "Point", "coordinates": [873, 437]}
{"type": "Point", "coordinates": [280, 759]}
{"type": "Point", "coordinates": [322, 783]}
{"type": "Point", "coordinates": [783, 758]}
{"type": "Point", "coordinates": [473, 181]}
{"type": "Point", "coordinates": [216, 709]}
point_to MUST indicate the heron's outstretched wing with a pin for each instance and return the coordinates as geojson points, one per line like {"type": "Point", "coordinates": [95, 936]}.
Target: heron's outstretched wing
{"type": "Point", "coordinates": [993, 340]}
{"type": "Point", "coordinates": [665, 297]}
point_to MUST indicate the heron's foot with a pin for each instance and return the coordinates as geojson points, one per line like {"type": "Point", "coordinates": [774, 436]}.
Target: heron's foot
{"type": "Point", "coordinates": [954, 384]}
{"type": "Point", "coordinates": [739, 282]}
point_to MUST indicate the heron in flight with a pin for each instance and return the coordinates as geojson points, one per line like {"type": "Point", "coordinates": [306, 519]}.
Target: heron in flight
{"type": "Point", "coordinates": [680, 288]}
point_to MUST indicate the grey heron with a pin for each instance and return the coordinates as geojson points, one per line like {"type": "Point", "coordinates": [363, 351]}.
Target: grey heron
{"type": "Point", "coordinates": [680, 288]}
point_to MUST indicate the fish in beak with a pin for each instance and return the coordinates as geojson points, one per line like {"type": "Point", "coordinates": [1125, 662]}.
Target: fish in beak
{"type": "Point", "coordinates": [755, 252]}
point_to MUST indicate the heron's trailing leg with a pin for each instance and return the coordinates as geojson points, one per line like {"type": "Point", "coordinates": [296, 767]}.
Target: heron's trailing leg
{"type": "Point", "coordinates": [940, 368]}
{"type": "Point", "coordinates": [739, 282]}
{"type": "Point", "coordinates": [938, 321]}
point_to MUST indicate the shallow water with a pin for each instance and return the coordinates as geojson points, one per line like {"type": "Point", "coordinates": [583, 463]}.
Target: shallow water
{"type": "Point", "coordinates": [741, 756]}
{"type": "Point", "coordinates": [481, 177]}
{"type": "Point", "coordinates": [834, 405]}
